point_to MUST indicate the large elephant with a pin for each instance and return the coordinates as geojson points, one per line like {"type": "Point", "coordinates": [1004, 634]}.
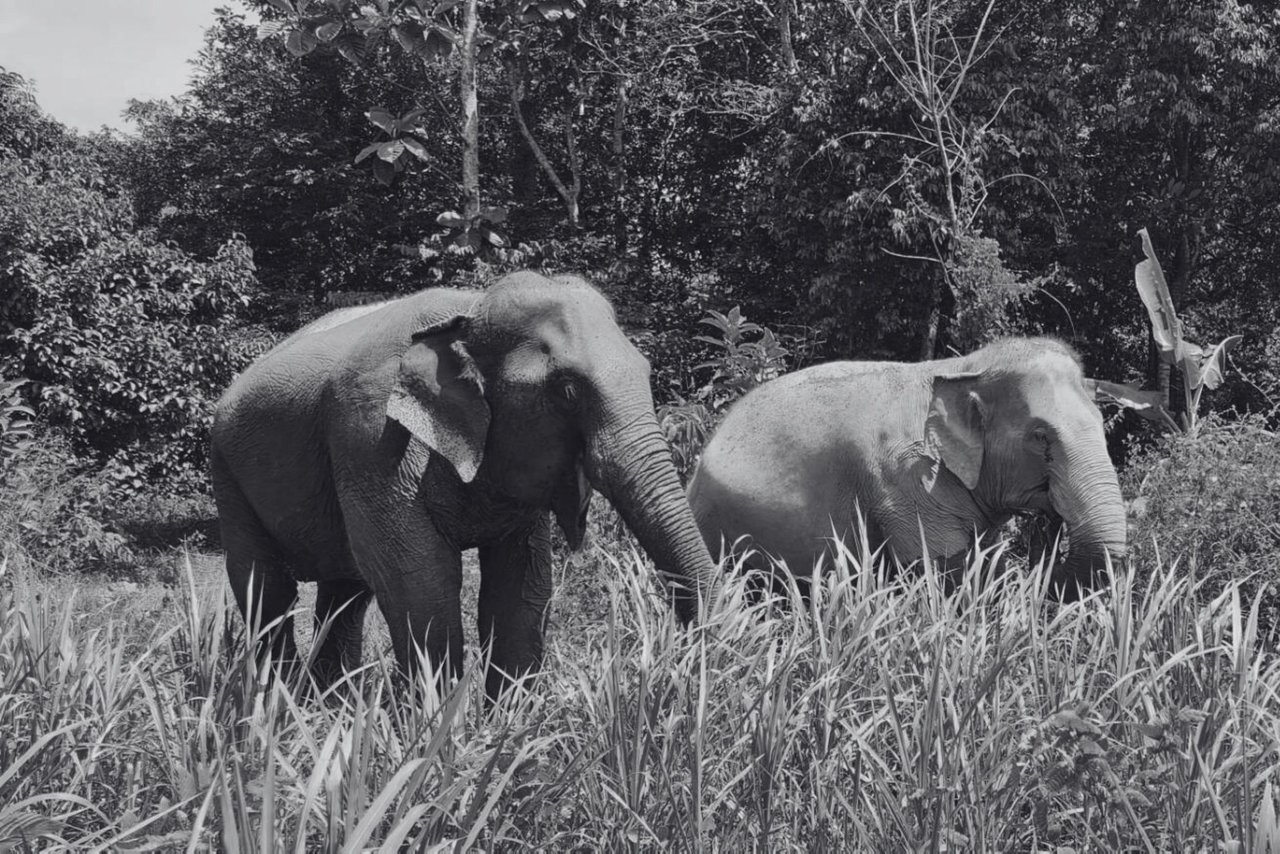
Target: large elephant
{"type": "Point", "coordinates": [943, 449]}
{"type": "Point", "coordinates": [369, 449]}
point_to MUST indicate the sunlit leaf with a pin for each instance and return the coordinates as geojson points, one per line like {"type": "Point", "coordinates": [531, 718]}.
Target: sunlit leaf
{"type": "Point", "coordinates": [382, 118]}
{"type": "Point", "coordinates": [451, 219]}
{"type": "Point", "coordinates": [367, 151]}
{"type": "Point", "coordinates": [1154, 291]}
{"type": "Point", "coordinates": [328, 32]}
{"type": "Point", "coordinates": [391, 151]}
{"type": "Point", "coordinates": [416, 148]}
{"type": "Point", "coordinates": [268, 29]}
{"type": "Point", "coordinates": [1213, 364]}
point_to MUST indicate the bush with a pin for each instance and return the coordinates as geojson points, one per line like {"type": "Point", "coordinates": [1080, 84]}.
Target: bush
{"type": "Point", "coordinates": [61, 513]}
{"type": "Point", "coordinates": [118, 334]}
{"type": "Point", "coordinates": [743, 355]}
{"type": "Point", "coordinates": [15, 424]}
{"type": "Point", "coordinates": [51, 513]}
{"type": "Point", "coordinates": [1212, 500]}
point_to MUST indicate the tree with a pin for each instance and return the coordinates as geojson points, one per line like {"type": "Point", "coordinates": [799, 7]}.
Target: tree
{"type": "Point", "coordinates": [115, 332]}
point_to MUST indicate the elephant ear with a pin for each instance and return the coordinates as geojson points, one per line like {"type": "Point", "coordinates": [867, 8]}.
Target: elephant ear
{"type": "Point", "coordinates": [954, 426]}
{"type": "Point", "coordinates": [439, 396]}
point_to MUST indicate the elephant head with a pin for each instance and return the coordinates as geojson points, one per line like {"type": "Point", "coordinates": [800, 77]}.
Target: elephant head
{"type": "Point", "coordinates": [1017, 425]}
{"type": "Point", "coordinates": [534, 393]}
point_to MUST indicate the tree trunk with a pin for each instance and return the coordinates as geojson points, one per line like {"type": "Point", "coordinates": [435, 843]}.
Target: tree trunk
{"type": "Point", "coordinates": [470, 115]}
{"type": "Point", "coordinates": [785, 46]}
{"type": "Point", "coordinates": [618, 169]}
{"type": "Point", "coordinates": [933, 320]}
{"type": "Point", "coordinates": [568, 192]}
{"type": "Point", "coordinates": [523, 167]}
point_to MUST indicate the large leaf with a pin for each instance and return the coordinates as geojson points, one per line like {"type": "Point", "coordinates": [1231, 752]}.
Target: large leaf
{"type": "Point", "coordinates": [284, 6]}
{"type": "Point", "coordinates": [391, 151]}
{"type": "Point", "coordinates": [300, 42]}
{"type": "Point", "coordinates": [329, 31]}
{"type": "Point", "coordinates": [385, 172]}
{"type": "Point", "coordinates": [352, 48]}
{"type": "Point", "coordinates": [1153, 289]}
{"type": "Point", "coordinates": [416, 148]}
{"type": "Point", "coordinates": [437, 45]}
{"type": "Point", "coordinates": [496, 214]}
{"type": "Point", "coordinates": [1148, 404]}
{"type": "Point", "coordinates": [451, 219]}
{"type": "Point", "coordinates": [367, 151]}
{"type": "Point", "coordinates": [1211, 366]}
{"type": "Point", "coordinates": [383, 119]}
{"type": "Point", "coordinates": [409, 37]}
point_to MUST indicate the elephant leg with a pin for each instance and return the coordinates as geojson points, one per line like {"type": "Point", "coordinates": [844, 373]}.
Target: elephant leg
{"type": "Point", "coordinates": [412, 569]}
{"type": "Point", "coordinates": [515, 590]}
{"type": "Point", "coordinates": [264, 589]}
{"type": "Point", "coordinates": [415, 574]}
{"type": "Point", "coordinates": [341, 604]}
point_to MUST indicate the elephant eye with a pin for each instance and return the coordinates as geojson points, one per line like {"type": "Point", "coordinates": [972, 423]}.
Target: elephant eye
{"type": "Point", "coordinates": [1040, 437]}
{"type": "Point", "coordinates": [565, 393]}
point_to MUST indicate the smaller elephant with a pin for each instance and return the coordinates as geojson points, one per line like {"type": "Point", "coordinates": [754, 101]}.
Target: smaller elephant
{"type": "Point", "coordinates": [944, 449]}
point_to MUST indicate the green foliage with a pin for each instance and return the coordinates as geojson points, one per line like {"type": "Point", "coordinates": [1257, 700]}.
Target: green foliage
{"type": "Point", "coordinates": [119, 335]}
{"type": "Point", "coordinates": [67, 514]}
{"type": "Point", "coordinates": [1211, 501]}
{"type": "Point", "coordinates": [742, 356]}
{"type": "Point", "coordinates": [987, 294]}
{"type": "Point", "coordinates": [882, 717]}
{"type": "Point", "coordinates": [54, 512]}
{"type": "Point", "coordinates": [15, 424]}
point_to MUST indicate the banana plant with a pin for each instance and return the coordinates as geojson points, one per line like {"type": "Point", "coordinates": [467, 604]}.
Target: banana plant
{"type": "Point", "coordinates": [1200, 368]}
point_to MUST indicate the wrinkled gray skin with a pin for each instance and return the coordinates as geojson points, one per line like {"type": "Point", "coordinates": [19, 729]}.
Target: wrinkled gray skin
{"type": "Point", "coordinates": [953, 446]}
{"type": "Point", "coordinates": [368, 450]}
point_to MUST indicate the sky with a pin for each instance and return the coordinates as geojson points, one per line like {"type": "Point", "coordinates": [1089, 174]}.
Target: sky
{"type": "Point", "coordinates": [87, 58]}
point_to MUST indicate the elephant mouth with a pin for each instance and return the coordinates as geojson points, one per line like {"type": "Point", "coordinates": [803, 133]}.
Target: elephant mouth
{"type": "Point", "coordinates": [570, 502]}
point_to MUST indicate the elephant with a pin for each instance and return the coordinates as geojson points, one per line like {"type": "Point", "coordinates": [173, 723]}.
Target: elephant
{"type": "Point", "coordinates": [372, 447]}
{"type": "Point", "coordinates": [932, 453]}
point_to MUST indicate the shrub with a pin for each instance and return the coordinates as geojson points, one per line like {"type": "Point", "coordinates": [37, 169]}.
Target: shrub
{"type": "Point", "coordinates": [118, 334]}
{"type": "Point", "coordinates": [61, 513]}
{"type": "Point", "coordinates": [743, 355]}
{"type": "Point", "coordinates": [1212, 501]}
{"type": "Point", "coordinates": [15, 424]}
{"type": "Point", "coordinates": [53, 511]}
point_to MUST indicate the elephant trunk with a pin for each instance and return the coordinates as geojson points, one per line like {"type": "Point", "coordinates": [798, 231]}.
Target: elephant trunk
{"type": "Point", "coordinates": [1086, 493]}
{"type": "Point", "coordinates": [631, 466]}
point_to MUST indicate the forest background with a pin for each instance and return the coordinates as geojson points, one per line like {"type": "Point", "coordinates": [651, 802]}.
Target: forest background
{"type": "Point", "coordinates": [757, 185]}
{"type": "Point", "coordinates": [893, 180]}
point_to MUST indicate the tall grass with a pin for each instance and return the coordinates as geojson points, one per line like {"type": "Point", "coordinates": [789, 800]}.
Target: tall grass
{"type": "Point", "coordinates": [878, 714]}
